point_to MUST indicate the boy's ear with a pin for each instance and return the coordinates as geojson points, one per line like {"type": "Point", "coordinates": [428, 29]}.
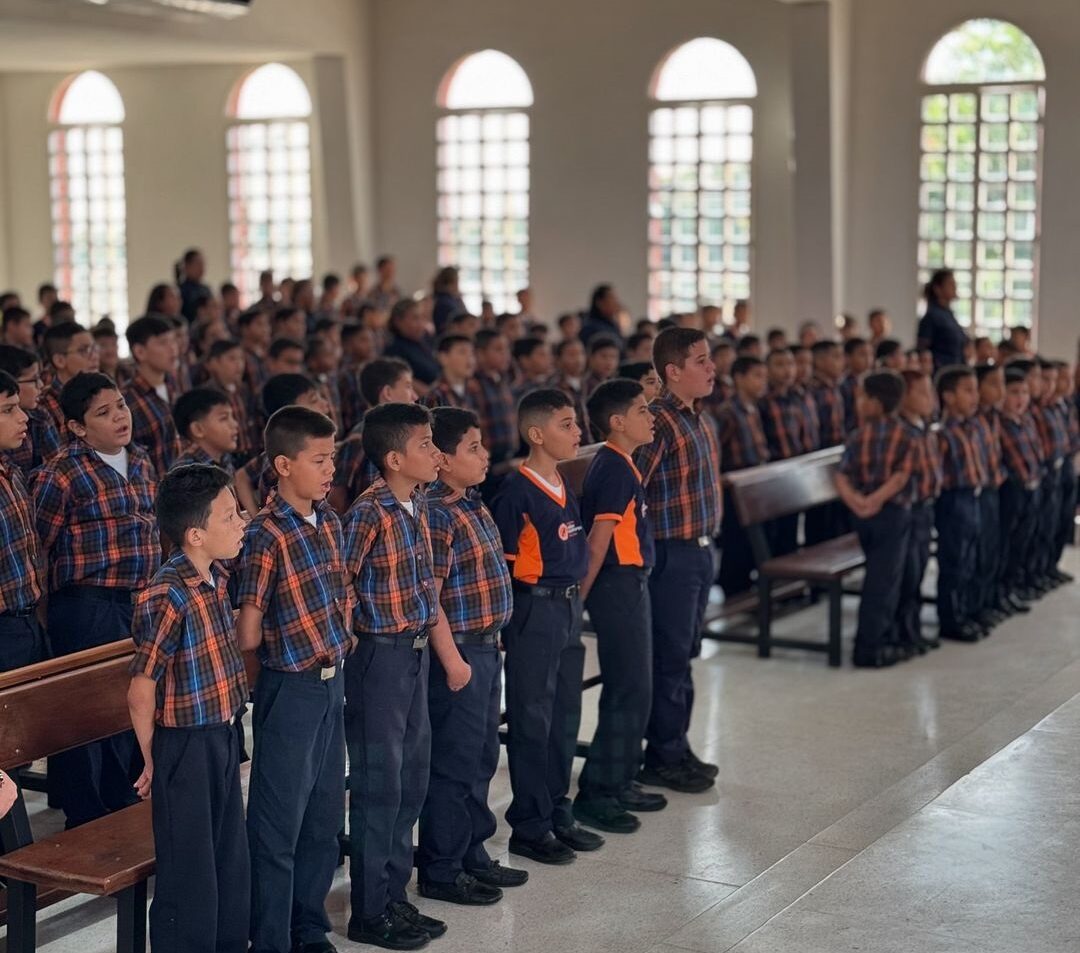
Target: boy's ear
{"type": "Point", "coordinates": [282, 465]}
{"type": "Point", "coordinates": [442, 461]}
{"type": "Point", "coordinates": [76, 428]}
{"type": "Point", "coordinates": [192, 537]}
{"type": "Point", "coordinates": [393, 460]}
{"type": "Point", "coordinates": [196, 430]}
{"type": "Point", "coordinates": [535, 435]}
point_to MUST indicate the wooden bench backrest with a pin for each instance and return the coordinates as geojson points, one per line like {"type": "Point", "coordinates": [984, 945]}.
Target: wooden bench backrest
{"type": "Point", "coordinates": [785, 487]}
{"type": "Point", "coordinates": [65, 663]}
{"type": "Point", "coordinates": [573, 471]}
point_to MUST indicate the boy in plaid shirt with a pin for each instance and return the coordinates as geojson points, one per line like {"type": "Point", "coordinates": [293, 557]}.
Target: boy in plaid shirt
{"type": "Point", "coordinates": [42, 439]}
{"type": "Point", "coordinates": [389, 563]}
{"type": "Point", "coordinates": [493, 398]}
{"type": "Point", "coordinates": [205, 420]}
{"type": "Point", "coordinates": [69, 349]}
{"type": "Point", "coordinates": [99, 538]}
{"type": "Point", "coordinates": [225, 372]}
{"type": "Point", "coordinates": [458, 362]}
{"type": "Point", "coordinates": [187, 684]}
{"type": "Point", "coordinates": [294, 609]}
{"type": "Point", "coordinates": [151, 393]}
{"type": "Point", "coordinates": [465, 683]}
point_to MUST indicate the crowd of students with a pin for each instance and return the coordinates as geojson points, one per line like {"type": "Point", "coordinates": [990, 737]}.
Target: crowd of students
{"type": "Point", "coordinates": [384, 509]}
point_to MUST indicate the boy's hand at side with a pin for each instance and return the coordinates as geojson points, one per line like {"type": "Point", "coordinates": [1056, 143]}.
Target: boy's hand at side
{"type": "Point", "coordinates": [458, 676]}
{"type": "Point", "coordinates": [142, 784]}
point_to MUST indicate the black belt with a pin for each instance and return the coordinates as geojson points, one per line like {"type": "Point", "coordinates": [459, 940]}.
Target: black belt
{"type": "Point", "coordinates": [417, 642]}
{"type": "Point", "coordinates": [19, 613]}
{"type": "Point", "coordinates": [476, 638]}
{"type": "Point", "coordinates": [112, 593]}
{"type": "Point", "coordinates": [320, 673]}
{"type": "Point", "coordinates": [628, 570]}
{"type": "Point", "coordinates": [549, 592]}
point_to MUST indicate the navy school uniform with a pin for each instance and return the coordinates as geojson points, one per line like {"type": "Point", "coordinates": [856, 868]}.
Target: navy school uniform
{"type": "Point", "coordinates": [790, 431]}
{"type": "Point", "coordinates": [1067, 411]}
{"type": "Point", "coordinates": [620, 609]}
{"type": "Point", "coordinates": [21, 638]}
{"type": "Point", "coordinates": [545, 544]}
{"type": "Point", "coordinates": [829, 520]}
{"type": "Point", "coordinates": [1054, 433]}
{"type": "Point", "coordinates": [926, 471]}
{"type": "Point", "coordinates": [477, 599]}
{"type": "Point", "coordinates": [387, 728]}
{"type": "Point", "coordinates": [1021, 452]}
{"type": "Point", "coordinates": [987, 432]}
{"type": "Point", "coordinates": [742, 445]}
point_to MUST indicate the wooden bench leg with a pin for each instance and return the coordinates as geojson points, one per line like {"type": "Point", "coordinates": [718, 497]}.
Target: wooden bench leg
{"type": "Point", "coordinates": [836, 642]}
{"type": "Point", "coordinates": [21, 917]}
{"type": "Point", "coordinates": [764, 617]}
{"type": "Point", "coordinates": [131, 919]}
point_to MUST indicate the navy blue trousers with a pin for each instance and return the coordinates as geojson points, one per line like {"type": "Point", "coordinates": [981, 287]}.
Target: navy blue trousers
{"type": "Point", "coordinates": [1018, 519]}
{"type": "Point", "coordinates": [736, 555]}
{"type": "Point", "coordinates": [202, 895]}
{"type": "Point", "coordinates": [95, 779]}
{"type": "Point", "coordinates": [915, 561]}
{"type": "Point", "coordinates": [884, 540]}
{"type": "Point", "coordinates": [957, 518]}
{"type": "Point", "coordinates": [456, 820]}
{"type": "Point", "coordinates": [21, 642]}
{"type": "Point", "coordinates": [544, 664]}
{"type": "Point", "coordinates": [1044, 549]}
{"type": "Point", "coordinates": [620, 609]}
{"type": "Point", "coordinates": [296, 802]}
{"type": "Point", "coordinates": [679, 590]}
{"type": "Point", "coordinates": [984, 589]}
{"type": "Point", "coordinates": [1067, 519]}
{"type": "Point", "coordinates": [389, 740]}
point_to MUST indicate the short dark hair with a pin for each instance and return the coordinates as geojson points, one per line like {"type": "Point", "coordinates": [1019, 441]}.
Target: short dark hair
{"type": "Point", "coordinates": [447, 341]}
{"type": "Point", "coordinates": [449, 426]}
{"type": "Point", "coordinates": [819, 348]}
{"type": "Point", "coordinates": [745, 363]}
{"type": "Point", "coordinates": [322, 325]}
{"type": "Point", "coordinates": [330, 280]}
{"type": "Point", "coordinates": [562, 345]}
{"type": "Point", "coordinates": [601, 342]}
{"type": "Point", "coordinates": [244, 318]}
{"type": "Point", "coordinates": [289, 429]}
{"type": "Point", "coordinates": [227, 287]}
{"type": "Point", "coordinates": [612, 397]}
{"type": "Point", "coordinates": [15, 360]}
{"type": "Point", "coordinates": [280, 345]}
{"type": "Point", "coordinates": [746, 342]}
{"type": "Point", "coordinates": [401, 307]}
{"type": "Point", "coordinates": [637, 338]}
{"type": "Point", "coordinates": [104, 330]}
{"type": "Point", "coordinates": [383, 260]}
{"type": "Point", "coordinates": [60, 309]}
{"type": "Point", "coordinates": [887, 347]}
{"type": "Point", "coordinates": [524, 347]}
{"type": "Point", "coordinates": [886, 387]}
{"type": "Point", "coordinates": [485, 336]}
{"type": "Point", "coordinates": [283, 314]}
{"type": "Point", "coordinates": [505, 318]}
{"type": "Point", "coordinates": [537, 406]}
{"type": "Point", "coordinates": [983, 371]}
{"type": "Point", "coordinates": [1013, 375]}
{"type": "Point", "coordinates": [45, 288]}
{"type": "Point", "coordinates": [948, 377]}
{"type": "Point", "coordinates": [14, 315]}
{"type": "Point", "coordinates": [380, 373]}
{"type": "Point", "coordinates": [388, 428]}
{"type": "Point", "coordinates": [284, 390]}
{"type": "Point", "coordinates": [221, 347]}
{"type": "Point", "coordinates": [851, 345]}
{"type": "Point", "coordinates": [194, 405]}
{"type": "Point", "coordinates": [569, 316]}
{"type": "Point", "coordinates": [672, 346]}
{"type": "Point", "coordinates": [78, 392]}
{"type": "Point", "coordinates": [184, 497]}
{"type": "Point", "coordinates": [149, 326]}
{"type": "Point", "coordinates": [723, 344]}
{"type": "Point", "coordinates": [799, 349]}
{"type": "Point", "coordinates": [773, 334]}
{"type": "Point", "coordinates": [58, 337]}
{"type": "Point", "coordinates": [350, 329]}
{"type": "Point", "coordinates": [779, 352]}
{"type": "Point", "coordinates": [635, 370]}
{"type": "Point", "coordinates": [874, 312]}
{"type": "Point", "coordinates": [9, 387]}
{"type": "Point", "coordinates": [1024, 364]}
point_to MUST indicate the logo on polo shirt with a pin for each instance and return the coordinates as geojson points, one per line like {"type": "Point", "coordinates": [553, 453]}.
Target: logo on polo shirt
{"type": "Point", "coordinates": [566, 530]}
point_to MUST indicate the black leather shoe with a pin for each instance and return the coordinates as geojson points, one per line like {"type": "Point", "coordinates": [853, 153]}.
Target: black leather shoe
{"type": "Point", "coordinates": [985, 620]}
{"type": "Point", "coordinates": [881, 658]}
{"type": "Point", "coordinates": [465, 890]}
{"type": "Point", "coordinates": [388, 931]}
{"type": "Point", "coordinates": [1017, 604]}
{"type": "Point", "coordinates": [498, 876]}
{"type": "Point", "coordinates": [1060, 577]}
{"type": "Point", "coordinates": [964, 633]}
{"type": "Point", "coordinates": [711, 771]}
{"type": "Point", "coordinates": [404, 910]}
{"type": "Point", "coordinates": [547, 850]}
{"type": "Point", "coordinates": [577, 838]}
{"type": "Point", "coordinates": [605, 816]}
{"type": "Point", "coordinates": [633, 798]}
{"type": "Point", "coordinates": [678, 777]}
{"type": "Point", "coordinates": [926, 643]}
{"type": "Point", "coordinates": [318, 946]}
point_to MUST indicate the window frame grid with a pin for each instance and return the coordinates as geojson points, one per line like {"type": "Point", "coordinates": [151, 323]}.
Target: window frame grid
{"type": "Point", "coordinates": [967, 276]}
{"type": "Point", "coordinates": [282, 259]}
{"type": "Point", "coordinates": [502, 295]}
{"type": "Point", "coordinates": [725, 302]}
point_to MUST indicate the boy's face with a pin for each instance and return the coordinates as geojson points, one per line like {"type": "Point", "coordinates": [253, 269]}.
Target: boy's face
{"type": "Point", "coordinates": [401, 392]}
{"type": "Point", "coordinates": [754, 382]}
{"type": "Point", "coordinates": [1035, 384]}
{"type": "Point", "coordinates": [571, 327]}
{"type": "Point", "coordinates": [859, 359]}
{"type": "Point", "coordinates": [804, 366]}
{"type": "Point", "coordinates": [642, 351]}
{"type": "Point", "coordinates": [781, 370]}
{"type": "Point", "coordinates": [1017, 398]}
{"type": "Point", "coordinates": [984, 351]}
{"type": "Point", "coordinates": [723, 358]}
{"type": "Point", "coordinates": [894, 361]}
{"type": "Point", "coordinates": [107, 423]}
{"type": "Point", "coordinates": [218, 430]}
{"type": "Point", "coordinates": [926, 363]}
{"type": "Point", "coordinates": [879, 325]}
{"type": "Point", "coordinates": [963, 401]}
{"type": "Point", "coordinates": [468, 464]}
{"type": "Point", "coordinates": [108, 351]}
{"type": "Point", "coordinates": [495, 358]}
{"type": "Point", "coordinates": [258, 331]}
{"type": "Point", "coordinates": [538, 363]}
{"type": "Point", "coordinates": [21, 333]}
{"type": "Point", "coordinates": [512, 328]}
{"type": "Point", "coordinates": [652, 385]}
{"type": "Point", "coordinates": [30, 387]}
{"type": "Point", "coordinates": [311, 472]}
{"type": "Point", "coordinates": [289, 361]}
{"type": "Point", "coordinates": [1064, 383]}
{"type": "Point", "coordinates": [1049, 382]}
{"type": "Point", "coordinates": [867, 407]}
{"type": "Point", "coordinates": [831, 363]}
{"type": "Point", "coordinates": [572, 359]}
{"type": "Point", "coordinates": [604, 362]}
{"type": "Point", "coordinates": [459, 362]}
{"type": "Point", "coordinates": [158, 354]}
{"type": "Point", "coordinates": [223, 534]}
{"type": "Point", "coordinates": [418, 462]}
{"type": "Point", "coordinates": [559, 435]}
{"type": "Point", "coordinates": [227, 368]}
{"type": "Point", "coordinates": [636, 424]}
{"type": "Point", "coordinates": [919, 398]}
{"type": "Point", "coordinates": [293, 327]}
{"type": "Point", "coordinates": [695, 377]}
{"type": "Point", "coordinates": [411, 325]}
{"type": "Point", "coordinates": [80, 355]}
{"type": "Point", "coordinates": [12, 422]}
{"type": "Point", "coordinates": [992, 388]}
{"type": "Point", "coordinates": [362, 346]}
{"type": "Point", "coordinates": [314, 400]}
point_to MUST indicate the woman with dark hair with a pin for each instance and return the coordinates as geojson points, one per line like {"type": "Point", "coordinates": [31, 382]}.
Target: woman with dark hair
{"type": "Point", "coordinates": [164, 299]}
{"type": "Point", "coordinates": [189, 277]}
{"type": "Point", "coordinates": [603, 316]}
{"type": "Point", "coordinates": [939, 331]}
{"type": "Point", "coordinates": [447, 299]}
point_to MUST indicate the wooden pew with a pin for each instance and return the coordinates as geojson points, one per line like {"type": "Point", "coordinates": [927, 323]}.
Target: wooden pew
{"type": "Point", "coordinates": [781, 489]}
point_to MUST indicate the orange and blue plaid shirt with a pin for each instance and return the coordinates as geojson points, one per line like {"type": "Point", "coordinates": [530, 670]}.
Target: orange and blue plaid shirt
{"type": "Point", "coordinates": [185, 640]}
{"type": "Point", "coordinates": [829, 404]}
{"type": "Point", "coordinates": [264, 478]}
{"type": "Point", "coordinates": [294, 573]}
{"type": "Point", "coordinates": [152, 426]}
{"type": "Point", "coordinates": [681, 471]}
{"type": "Point", "coordinates": [1021, 449]}
{"type": "Point", "coordinates": [389, 559]}
{"type": "Point", "coordinates": [442, 394]}
{"type": "Point", "coordinates": [987, 430]}
{"type": "Point", "coordinates": [877, 450]}
{"type": "Point", "coordinates": [41, 442]}
{"type": "Point", "coordinates": [467, 554]}
{"type": "Point", "coordinates": [250, 438]}
{"type": "Point", "coordinates": [353, 471]}
{"type": "Point", "coordinates": [742, 438]}
{"type": "Point", "coordinates": [20, 584]}
{"type": "Point", "coordinates": [255, 372]}
{"type": "Point", "coordinates": [926, 462]}
{"type": "Point", "coordinates": [961, 459]}
{"type": "Point", "coordinates": [1053, 428]}
{"type": "Point", "coordinates": [847, 387]}
{"type": "Point", "coordinates": [788, 428]}
{"type": "Point", "coordinates": [495, 405]}
{"type": "Point", "coordinates": [353, 404]}
{"type": "Point", "coordinates": [50, 403]}
{"type": "Point", "coordinates": [96, 527]}
{"type": "Point", "coordinates": [195, 454]}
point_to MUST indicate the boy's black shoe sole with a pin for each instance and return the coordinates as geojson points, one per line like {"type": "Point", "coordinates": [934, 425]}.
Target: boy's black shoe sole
{"type": "Point", "coordinates": [676, 777]}
{"type": "Point", "coordinates": [548, 850]}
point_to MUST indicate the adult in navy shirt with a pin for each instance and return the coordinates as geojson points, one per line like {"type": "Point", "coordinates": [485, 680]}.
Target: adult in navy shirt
{"type": "Point", "coordinates": [603, 316]}
{"type": "Point", "coordinates": [939, 331]}
{"type": "Point", "coordinates": [189, 277]}
{"type": "Point", "coordinates": [409, 343]}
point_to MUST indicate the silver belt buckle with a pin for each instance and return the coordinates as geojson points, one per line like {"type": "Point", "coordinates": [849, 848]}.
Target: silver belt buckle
{"type": "Point", "coordinates": [978, 492]}
{"type": "Point", "coordinates": [420, 642]}
{"type": "Point", "coordinates": [325, 674]}
{"type": "Point", "coordinates": [703, 541]}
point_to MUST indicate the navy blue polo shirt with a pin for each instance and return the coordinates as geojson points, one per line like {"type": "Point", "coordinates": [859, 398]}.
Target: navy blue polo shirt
{"type": "Point", "coordinates": [942, 333]}
{"type": "Point", "coordinates": [613, 491]}
{"type": "Point", "coordinates": [541, 531]}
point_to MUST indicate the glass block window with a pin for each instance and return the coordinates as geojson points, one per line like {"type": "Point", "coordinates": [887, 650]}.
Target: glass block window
{"type": "Point", "coordinates": [980, 171]}
{"type": "Point", "coordinates": [700, 157]}
{"type": "Point", "coordinates": [482, 179]}
{"type": "Point", "coordinates": [269, 178]}
{"type": "Point", "coordinates": [86, 181]}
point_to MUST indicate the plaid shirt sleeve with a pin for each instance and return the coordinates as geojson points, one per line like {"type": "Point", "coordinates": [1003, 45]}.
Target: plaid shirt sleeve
{"type": "Point", "coordinates": [152, 426]}
{"type": "Point", "coordinates": [156, 629]}
{"type": "Point", "coordinates": [20, 586]}
{"type": "Point", "coordinates": [442, 541]}
{"type": "Point", "coordinates": [258, 577]}
{"type": "Point", "coordinates": [51, 490]}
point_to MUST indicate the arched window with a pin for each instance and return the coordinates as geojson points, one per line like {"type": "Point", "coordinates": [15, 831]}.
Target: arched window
{"type": "Point", "coordinates": [980, 170]}
{"type": "Point", "coordinates": [700, 151]}
{"type": "Point", "coordinates": [86, 173]}
{"type": "Point", "coordinates": [483, 177]}
{"type": "Point", "coordinates": [269, 166]}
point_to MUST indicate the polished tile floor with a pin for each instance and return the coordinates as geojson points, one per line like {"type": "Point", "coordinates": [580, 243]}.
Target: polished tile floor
{"type": "Point", "coordinates": [930, 807]}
